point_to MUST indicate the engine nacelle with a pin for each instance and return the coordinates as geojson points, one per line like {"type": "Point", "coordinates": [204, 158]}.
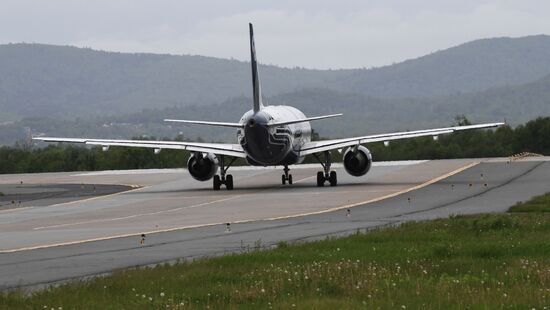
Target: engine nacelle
{"type": "Point", "coordinates": [359, 162]}
{"type": "Point", "coordinates": [202, 168]}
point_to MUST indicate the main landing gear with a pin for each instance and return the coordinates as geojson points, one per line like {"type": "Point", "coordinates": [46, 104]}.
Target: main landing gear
{"type": "Point", "coordinates": [224, 179]}
{"type": "Point", "coordinates": [326, 175]}
{"type": "Point", "coordinates": [286, 177]}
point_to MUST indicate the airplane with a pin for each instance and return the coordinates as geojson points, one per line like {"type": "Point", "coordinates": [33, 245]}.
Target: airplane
{"type": "Point", "coordinates": [271, 136]}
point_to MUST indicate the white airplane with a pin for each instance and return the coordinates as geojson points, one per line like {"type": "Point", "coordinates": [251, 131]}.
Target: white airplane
{"type": "Point", "coordinates": [270, 136]}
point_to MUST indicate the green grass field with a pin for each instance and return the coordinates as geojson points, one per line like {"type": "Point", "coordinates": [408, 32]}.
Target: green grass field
{"type": "Point", "coordinates": [537, 204]}
{"type": "Point", "coordinates": [464, 262]}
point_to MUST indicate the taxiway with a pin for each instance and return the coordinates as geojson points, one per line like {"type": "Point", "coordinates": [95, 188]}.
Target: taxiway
{"type": "Point", "coordinates": [68, 236]}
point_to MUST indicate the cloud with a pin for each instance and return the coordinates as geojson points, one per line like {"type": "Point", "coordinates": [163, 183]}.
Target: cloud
{"type": "Point", "coordinates": [314, 34]}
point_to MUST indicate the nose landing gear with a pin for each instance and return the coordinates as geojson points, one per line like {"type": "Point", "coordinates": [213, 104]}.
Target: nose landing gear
{"type": "Point", "coordinates": [286, 177]}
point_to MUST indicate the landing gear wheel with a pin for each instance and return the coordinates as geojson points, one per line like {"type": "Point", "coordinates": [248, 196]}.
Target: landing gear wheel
{"type": "Point", "coordinates": [320, 179]}
{"type": "Point", "coordinates": [332, 178]}
{"type": "Point", "coordinates": [217, 183]}
{"type": "Point", "coordinates": [286, 177]}
{"type": "Point", "coordinates": [229, 182]}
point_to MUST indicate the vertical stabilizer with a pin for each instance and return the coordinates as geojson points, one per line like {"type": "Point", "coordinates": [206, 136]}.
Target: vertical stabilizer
{"type": "Point", "coordinates": [256, 90]}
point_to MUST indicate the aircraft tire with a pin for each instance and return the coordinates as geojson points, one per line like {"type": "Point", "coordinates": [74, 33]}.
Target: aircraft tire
{"type": "Point", "coordinates": [333, 180]}
{"type": "Point", "coordinates": [229, 182]}
{"type": "Point", "coordinates": [217, 183]}
{"type": "Point", "coordinates": [320, 179]}
{"type": "Point", "coordinates": [290, 179]}
{"type": "Point", "coordinates": [283, 179]}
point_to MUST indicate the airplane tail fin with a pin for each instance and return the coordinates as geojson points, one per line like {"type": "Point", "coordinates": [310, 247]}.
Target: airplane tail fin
{"type": "Point", "coordinates": [256, 89]}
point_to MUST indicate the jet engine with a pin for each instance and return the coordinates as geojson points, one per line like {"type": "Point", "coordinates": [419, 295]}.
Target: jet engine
{"type": "Point", "coordinates": [202, 167]}
{"type": "Point", "coordinates": [357, 160]}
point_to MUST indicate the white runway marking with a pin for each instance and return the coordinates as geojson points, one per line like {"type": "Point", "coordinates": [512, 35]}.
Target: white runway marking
{"type": "Point", "coordinates": [137, 215]}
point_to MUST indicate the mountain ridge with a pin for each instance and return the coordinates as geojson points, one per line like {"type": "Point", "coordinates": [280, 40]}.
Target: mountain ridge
{"type": "Point", "coordinates": [362, 114]}
{"type": "Point", "coordinates": [68, 82]}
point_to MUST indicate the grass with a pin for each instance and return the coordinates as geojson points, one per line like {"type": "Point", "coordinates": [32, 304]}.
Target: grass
{"type": "Point", "coordinates": [537, 204]}
{"type": "Point", "coordinates": [482, 261]}
{"type": "Point", "coordinates": [1, 194]}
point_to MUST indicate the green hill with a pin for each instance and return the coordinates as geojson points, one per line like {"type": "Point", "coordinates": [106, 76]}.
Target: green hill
{"type": "Point", "coordinates": [68, 82]}
{"type": "Point", "coordinates": [362, 114]}
{"type": "Point", "coordinates": [469, 67]}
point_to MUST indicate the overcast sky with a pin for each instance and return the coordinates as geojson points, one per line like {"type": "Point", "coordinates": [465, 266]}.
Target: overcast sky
{"type": "Point", "coordinates": [311, 33]}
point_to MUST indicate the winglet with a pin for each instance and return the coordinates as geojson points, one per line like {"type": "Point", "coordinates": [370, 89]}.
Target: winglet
{"type": "Point", "coordinates": [256, 90]}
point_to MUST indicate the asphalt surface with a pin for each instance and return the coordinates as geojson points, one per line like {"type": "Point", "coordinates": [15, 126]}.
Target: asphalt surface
{"type": "Point", "coordinates": [46, 244]}
{"type": "Point", "coordinates": [19, 195]}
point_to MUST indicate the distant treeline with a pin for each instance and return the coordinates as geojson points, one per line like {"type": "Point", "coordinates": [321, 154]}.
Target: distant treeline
{"type": "Point", "coordinates": [534, 137]}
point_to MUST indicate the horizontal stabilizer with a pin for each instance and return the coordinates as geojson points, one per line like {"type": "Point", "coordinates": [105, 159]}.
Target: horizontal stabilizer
{"type": "Point", "coordinates": [221, 124]}
{"type": "Point", "coordinates": [309, 119]}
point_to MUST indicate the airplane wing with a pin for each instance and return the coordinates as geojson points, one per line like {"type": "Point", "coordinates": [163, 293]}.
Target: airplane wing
{"type": "Point", "coordinates": [326, 145]}
{"type": "Point", "coordinates": [234, 150]}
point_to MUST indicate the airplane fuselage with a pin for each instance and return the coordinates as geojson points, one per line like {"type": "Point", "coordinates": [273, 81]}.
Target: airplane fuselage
{"type": "Point", "coordinates": [273, 145]}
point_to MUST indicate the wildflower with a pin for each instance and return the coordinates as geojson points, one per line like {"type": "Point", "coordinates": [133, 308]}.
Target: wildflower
{"type": "Point", "coordinates": [263, 290]}
{"type": "Point", "coordinates": [403, 307]}
{"type": "Point", "coordinates": [150, 298]}
{"type": "Point", "coordinates": [161, 294]}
